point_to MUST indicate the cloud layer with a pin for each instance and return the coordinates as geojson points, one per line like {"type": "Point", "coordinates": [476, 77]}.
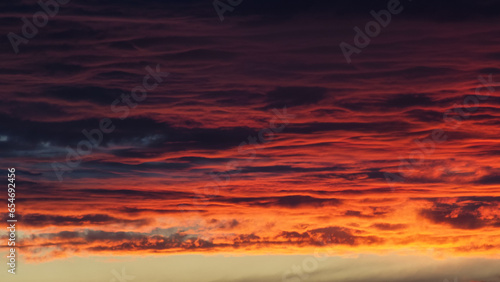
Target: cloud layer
{"type": "Point", "coordinates": [196, 168]}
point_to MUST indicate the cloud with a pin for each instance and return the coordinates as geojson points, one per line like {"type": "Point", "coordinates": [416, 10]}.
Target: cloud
{"type": "Point", "coordinates": [353, 123]}
{"type": "Point", "coordinates": [40, 220]}
{"type": "Point", "coordinates": [294, 96]}
{"type": "Point", "coordinates": [460, 216]}
{"type": "Point", "coordinates": [389, 227]}
{"type": "Point", "coordinates": [292, 201]}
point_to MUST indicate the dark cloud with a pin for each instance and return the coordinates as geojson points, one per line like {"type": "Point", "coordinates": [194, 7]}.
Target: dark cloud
{"type": "Point", "coordinates": [427, 116]}
{"type": "Point", "coordinates": [138, 132]}
{"type": "Point", "coordinates": [409, 100]}
{"type": "Point", "coordinates": [489, 179]}
{"type": "Point", "coordinates": [393, 102]}
{"type": "Point", "coordinates": [309, 128]}
{"type": "Point", "coordinates": [389, 226]}
{"type": "Point", "coordinates": [93, 94]}
{"type": "Point", "coordinates": [359, 214]}
{"type": "Point", "coordinates": [294, 96]}
{"type": "Point", "coordinates": [460, 216]}
{"type": "Point", "coordinates": [134, 211]}
{"type": "Point", "coordinates": [293, 201]}
{"type": "Point", "coordinates": [441, 10]}
{"type": "Point", "coordinates": [232, 98]}
{"type": "Point", "coordinates": [228, 224]}
{"type": "Point", "coordinates": [39, 220]}
{"type": "Point", "coordinates": [333, 235]}
{"type": "Point", "coordinates": [283, 169]}
{"type": "Point", "coordinates": [294, 235]}
{"type": "Point", "coordinates": [246, 239]}
{"type": "Point", "coordinates": [135, 193]}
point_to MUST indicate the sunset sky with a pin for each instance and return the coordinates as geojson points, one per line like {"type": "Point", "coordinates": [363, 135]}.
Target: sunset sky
{"type": "Point", "coordinates": [259, 149]}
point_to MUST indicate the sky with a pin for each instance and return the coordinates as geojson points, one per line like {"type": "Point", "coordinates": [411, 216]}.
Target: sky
{"type": "Point", "coordinates": [168, 141]}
